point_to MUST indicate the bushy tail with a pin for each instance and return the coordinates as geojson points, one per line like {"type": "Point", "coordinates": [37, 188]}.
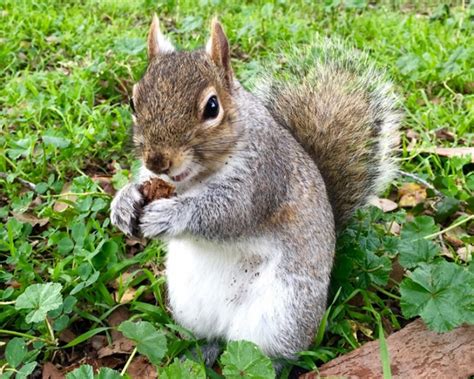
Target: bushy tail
{"type": "Point", "coordinates": [343, 112]}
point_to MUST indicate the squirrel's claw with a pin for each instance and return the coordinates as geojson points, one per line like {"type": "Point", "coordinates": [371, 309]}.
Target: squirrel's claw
{"type": "Point", "coordinates": [125, 209]}
{"type": "Point", "coordinates": [160, 218]}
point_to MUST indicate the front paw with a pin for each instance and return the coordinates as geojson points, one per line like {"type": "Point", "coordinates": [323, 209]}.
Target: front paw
{"type": "Point", "coordinates": [161, 218]}
{"type": "Point", "coordinates": [125, 209]}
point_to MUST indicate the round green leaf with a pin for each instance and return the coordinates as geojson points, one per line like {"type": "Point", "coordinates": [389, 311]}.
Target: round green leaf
{"type": "Point", "coordinates": [41, 298]}
{"type": "Point", "coordinates": [15, 351]}
{"type": "Point", "coordinates": [149, 341]}
{"type": "Point", "coordinates": [244, 359]}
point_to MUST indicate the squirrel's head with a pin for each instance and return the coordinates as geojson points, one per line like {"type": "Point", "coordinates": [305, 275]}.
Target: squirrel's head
{"type": "Point", "coordinates": [183, 110]}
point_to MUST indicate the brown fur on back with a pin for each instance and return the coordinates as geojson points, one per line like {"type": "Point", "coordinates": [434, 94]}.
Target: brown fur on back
{"type": "Point", "coordinates": [343, 113]}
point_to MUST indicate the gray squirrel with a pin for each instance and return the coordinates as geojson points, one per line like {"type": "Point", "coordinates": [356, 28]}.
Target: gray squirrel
{"type": "Point", "coordinates": [264, 182]}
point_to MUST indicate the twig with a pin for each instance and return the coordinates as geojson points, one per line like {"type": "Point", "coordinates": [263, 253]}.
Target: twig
{"type": "Point", "coordinates": [26, 183]}
{"type": "Point", "coordinates": [460, 222]}
{"type": "Point", "coordinates": [129, 360]}
{"type": "Point", "coordinates": [422, 181]}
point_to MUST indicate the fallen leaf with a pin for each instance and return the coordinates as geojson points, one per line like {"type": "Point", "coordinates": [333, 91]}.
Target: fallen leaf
{"type": "Point", "coordinates": [395, 228]}
{"type": "Point", "coordinates": [455, 152]}
{"type": "Point", "coordinates": [66, 336]}
{"type": "Point", "coordinates": [30, 218]}
{"type": "Point", "coordinates": [445, 135]}
{"type": "Point", "coordinates": [141, 368]}
{"type": "Point", "coordinates": [411, 134]}
{"type": "Point", "coordinates": [105, 182]}
{"type": "Point", "coordinates": [396, 274]}
{"type": "Point", "coordinates": [52, 39]}
{"type": "Point", "coordinates": [469, 87]}
{"type": "Point", "coordinates": [386, 205]}
{"type": "Point", "coordinates": [127, 296]}
{"type": "Point", "coordinates": [118, 316]}
{"type": "Point", "coordinates": [121, 346]}
{"type": "Point", "coordinates": [465, 253]}
{"type": "Point", "coordinates": [413, 138]}
{"type": "Point", "coordinates": [411, 194]}
{"type": "Point", "coordinates": [51, 372]}
{"type": "Point", "coordinates": [132, 241]}
{"type": "Point", "coordinates": [98, 341]}
{"type": "Point", "coordinates": [453, 240]}
{"type": "Point", "coordinates": [61, 203]}
{"type": "Point", "coordinates": [14, 284]}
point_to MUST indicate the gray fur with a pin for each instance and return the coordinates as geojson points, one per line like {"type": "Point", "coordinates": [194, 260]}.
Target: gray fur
{"type": "Point", "coordinates": [258, 185]}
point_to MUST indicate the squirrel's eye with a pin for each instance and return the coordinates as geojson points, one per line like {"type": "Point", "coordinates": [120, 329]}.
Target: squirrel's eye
{"type": "Point", "coordinates": [132, 105]}
{"type": "Point", "coordinates": [211, 109]}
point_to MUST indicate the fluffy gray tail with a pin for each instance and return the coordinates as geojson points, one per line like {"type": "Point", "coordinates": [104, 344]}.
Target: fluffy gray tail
{"type": "Point", "coordinates": [345, 115]}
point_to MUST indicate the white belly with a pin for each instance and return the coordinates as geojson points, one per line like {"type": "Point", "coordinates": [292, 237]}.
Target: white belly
{"type": "Point", "coordinates": [227, 291]}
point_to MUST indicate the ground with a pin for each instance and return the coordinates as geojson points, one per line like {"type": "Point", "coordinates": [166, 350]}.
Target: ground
{"type": "Point", "coordinates": [68, 278]}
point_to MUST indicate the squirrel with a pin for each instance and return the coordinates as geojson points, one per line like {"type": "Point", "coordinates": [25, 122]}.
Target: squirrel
{"type": "Point", "coordinates": [264, 181]}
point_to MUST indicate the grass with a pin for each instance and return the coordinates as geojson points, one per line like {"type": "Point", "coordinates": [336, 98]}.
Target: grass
{"type": "Point", "coordinates": [66, 71]}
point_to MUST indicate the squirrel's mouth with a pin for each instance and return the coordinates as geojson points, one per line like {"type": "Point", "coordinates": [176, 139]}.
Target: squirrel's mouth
{"type": "Point", "coordinates": [182, 176]}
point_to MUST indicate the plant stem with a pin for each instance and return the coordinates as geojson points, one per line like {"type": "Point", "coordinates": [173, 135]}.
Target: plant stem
{"type": "Point", "coordinates": [19, 334]}
{"type": "Point", "coordinates": [51, 332]}
{"type": "Point", "coordinates": [129, 360]}
{"type": "Point", "coordinates": [68, 194]}
{"type": "Point", "coordinates": [456, 224]}
{"type": "Point", "coordinates": [422, 181]}
{"type": "Point", "coordinates": [7, 302]}
{"type": "Point", "coordinates": [385, 292]}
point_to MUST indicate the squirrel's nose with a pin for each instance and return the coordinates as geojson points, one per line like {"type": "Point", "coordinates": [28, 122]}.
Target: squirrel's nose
{"type": "Point", "coordinates": [158, 163]}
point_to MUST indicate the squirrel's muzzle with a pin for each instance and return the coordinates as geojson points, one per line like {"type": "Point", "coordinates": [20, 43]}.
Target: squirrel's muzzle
{"type": "Point", "coordinates": [157, 162]}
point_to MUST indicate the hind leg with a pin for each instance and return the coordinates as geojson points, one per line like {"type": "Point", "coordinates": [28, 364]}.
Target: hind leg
{"type": "Point", "coordinates": [207, 353]}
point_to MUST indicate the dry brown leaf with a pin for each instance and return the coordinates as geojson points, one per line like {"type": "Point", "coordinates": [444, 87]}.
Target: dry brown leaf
{"type": "Point", "coordinates": [455, 152]}
{"type": "Point", "coordinates": [141, 368]}
{"type": "Point", "coordinates": [60, 205]}
{"type": "Point", "coordinates": [67, 335]}
{"type": "Point", "coordinates": [98, 341]}
{"type": "Point", "coordinates": [453, 240]}
{"type": "Point", "coordinates": [118, 316]}
{"type": "Point", "coordinates": [395, 228]}
{"type": "Point", "coordinates": [411, 134]}
{"type": "Point", "coordinates": [469, 87]}
{"type": "Point", "coordinates": [127, 296]}
{"type": "Point", "coordinates": [30, 218]}
{"type": "Point", "coordinates": [52, 39]}
{"type": "Point", "coordinates": [51, 372]}
{"type": "Point", "coordinates": [123, 278]}
{"type": "Point", "coordinates": [396, 274]}
{"type": "Point", "coordinates": [386, 205]}
{"type": "Point", "coordinates": [132, 241]}
{"type": "Point", "coordinates": [105, 182]}
{"type": "Point", "coordinates": [14, 284]}
{"type": "Point", "coordinates": [413, 138]}
{"type": "Point", "coordinates": [445, 134]}
{"type": "Point", "coordinates": [411, 194]}
{"type": "Point", "coordinates": [465, 253]}
{"type": "Point", "coordinates": [120, 346]}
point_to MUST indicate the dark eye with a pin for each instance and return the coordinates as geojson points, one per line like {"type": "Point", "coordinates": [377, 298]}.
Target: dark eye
{"type": "Point", "coordinates": [212, 108]}
{"type": "Point", "coordinates": [132, 105]}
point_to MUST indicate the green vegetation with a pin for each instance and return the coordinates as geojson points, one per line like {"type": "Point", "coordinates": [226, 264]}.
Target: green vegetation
{"type": "Point", "coordinates": [66, 69]}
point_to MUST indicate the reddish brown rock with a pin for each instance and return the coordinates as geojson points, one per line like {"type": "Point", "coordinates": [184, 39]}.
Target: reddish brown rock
{"type": "Point", "coordinates": [415, 352]}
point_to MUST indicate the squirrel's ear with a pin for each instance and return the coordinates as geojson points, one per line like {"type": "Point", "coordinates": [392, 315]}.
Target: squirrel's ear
{"type": "Point", "coordinates": [157, 42]}
{"type": "Point", "coordinates": [218, 47]}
